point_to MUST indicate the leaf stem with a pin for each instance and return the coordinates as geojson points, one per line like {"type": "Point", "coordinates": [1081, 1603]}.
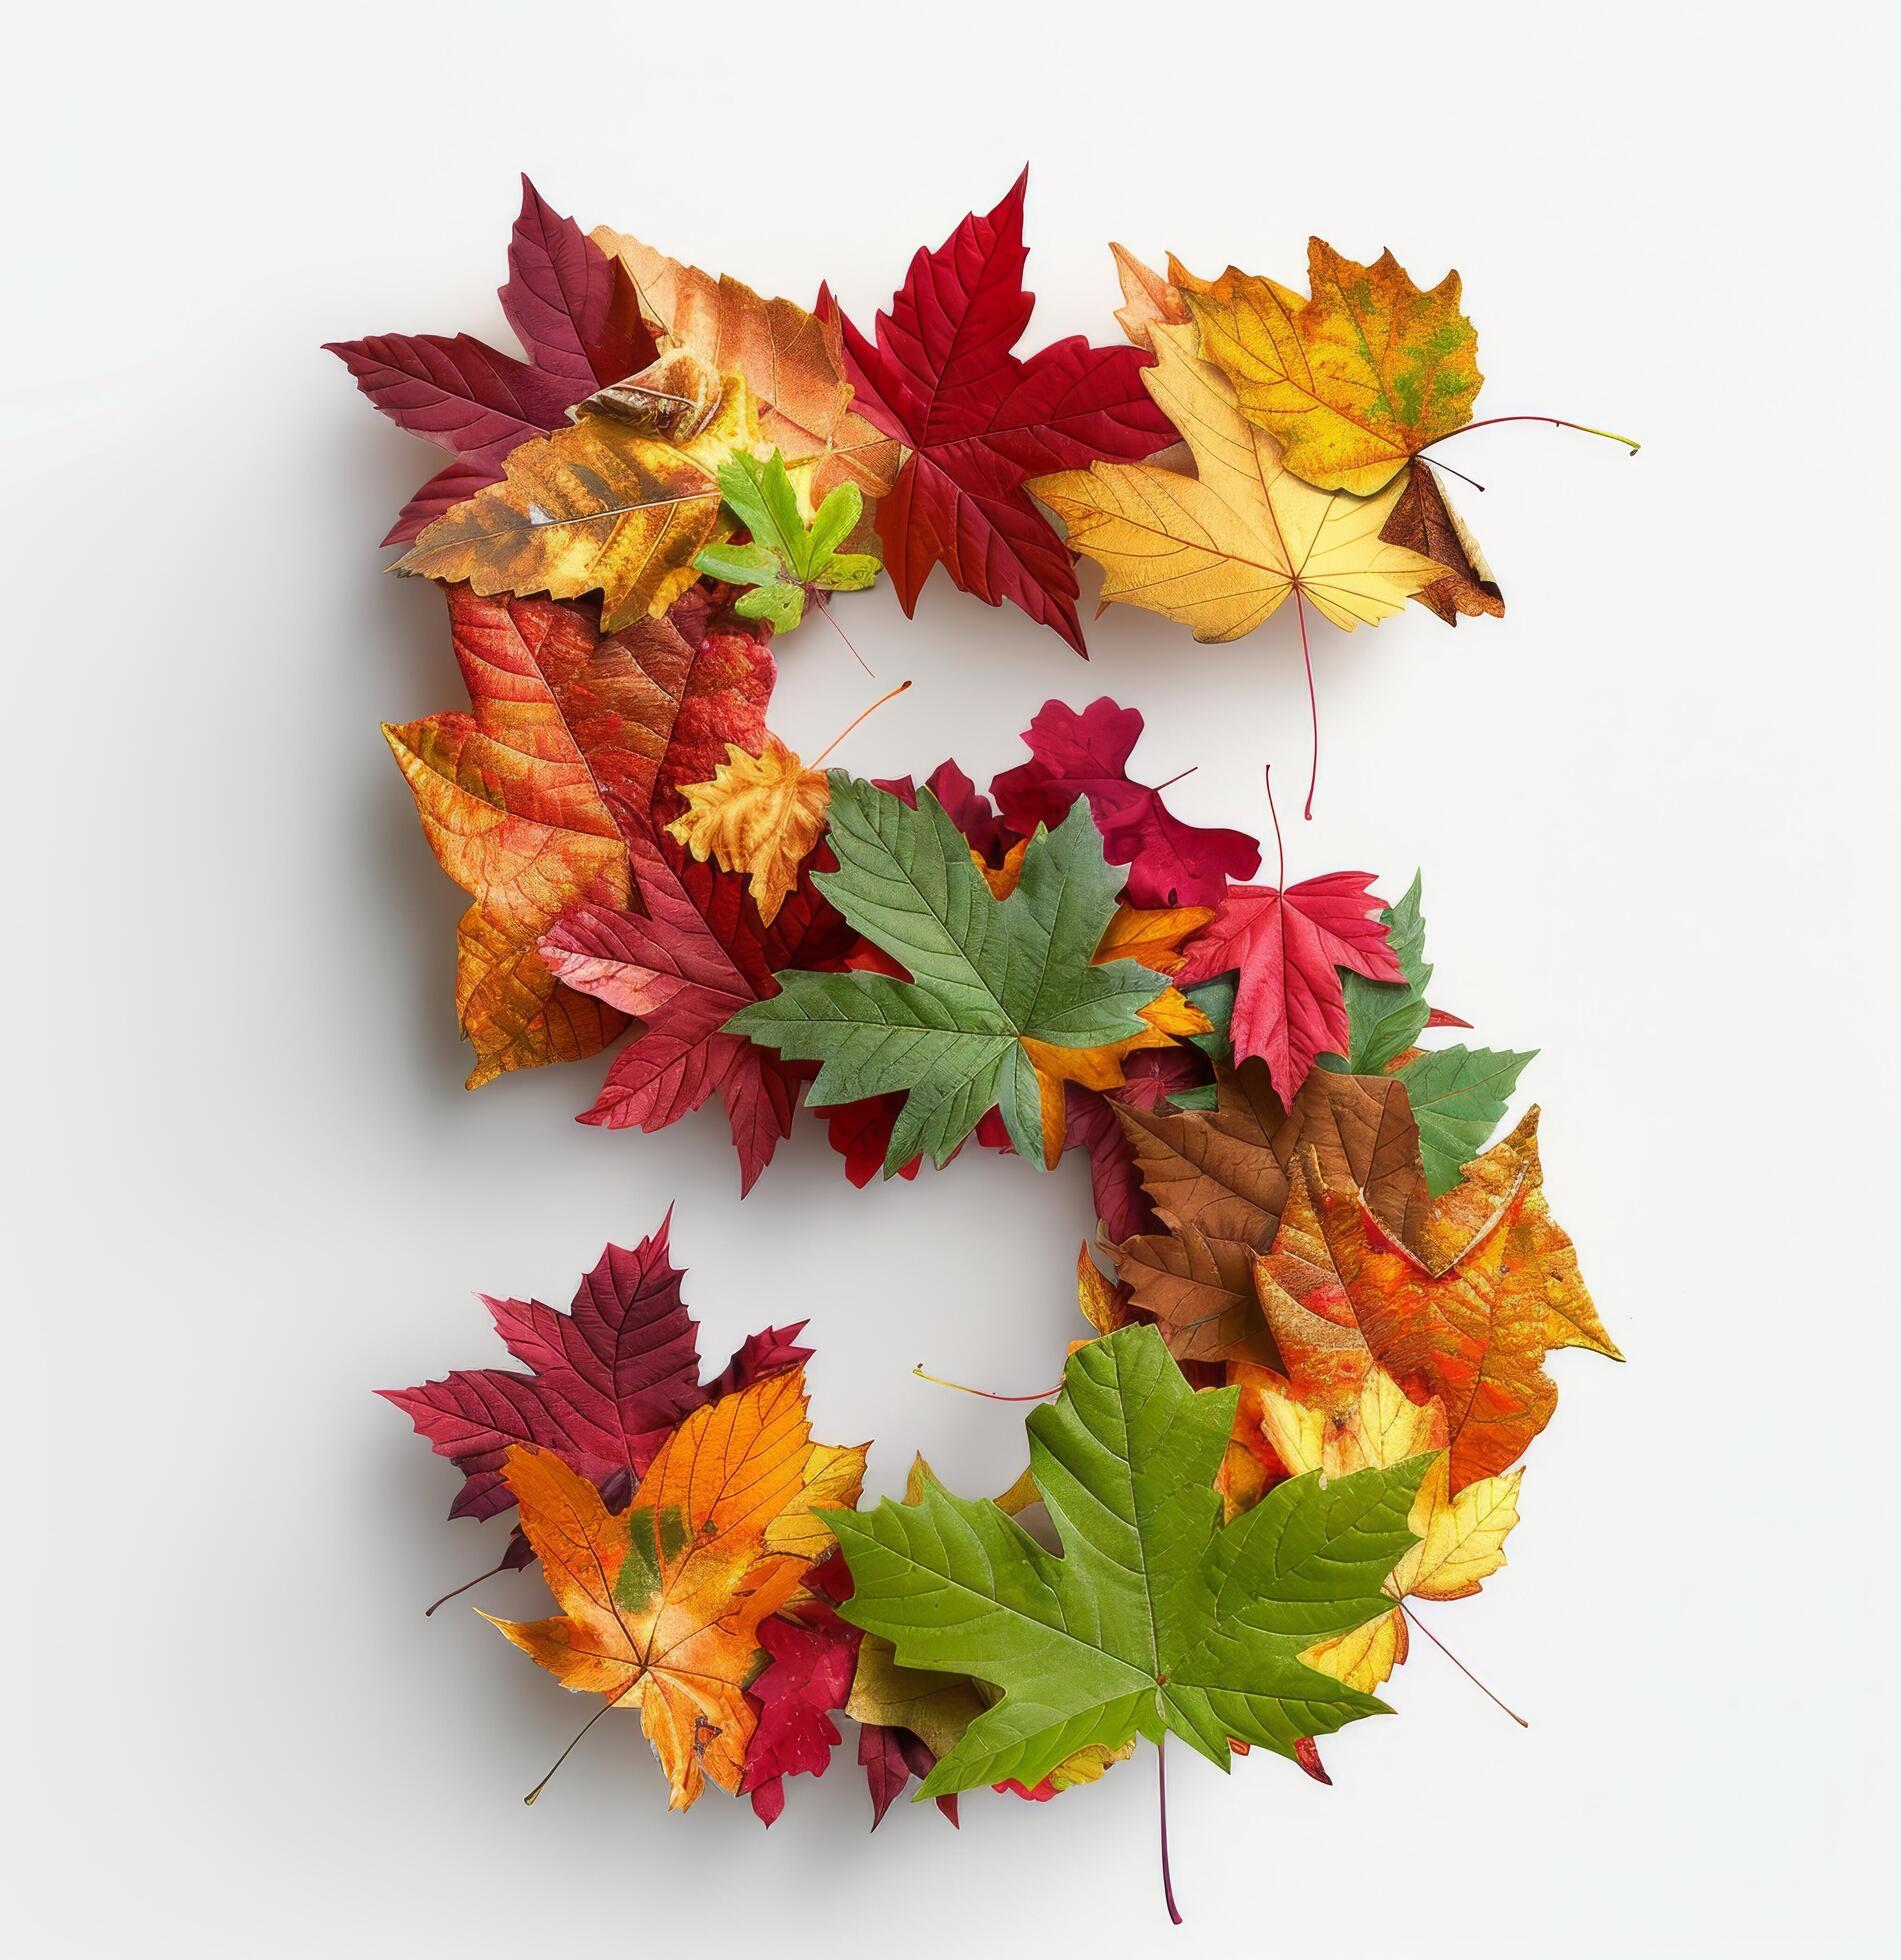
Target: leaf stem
{"type": "Point", "coordinates": [989, 1395]}
{"type": "Point", "coordinates": [1174, 779]}
{"type": "Point", "coordinates": [1433, 463]}
{"type": "Point", "coordinates": [825, 607]}
{"type": "Point", "coordinates": [1313, 705]}
{"type": "Point", "coordinates": [1280, 876]}
{"type": "Point", "coordinates": [1161, 1806]}
{"type": "Point", "coordinates": [570, 1749]}
{"type": "Point", "coordinates": [1459, 1664]}
{"type": "Point", "coordinates": [853, 723]}
{"type": "Point", "coordinates": [1556, 421]}
{"type": "Point", "coordinates": [455, 1592]}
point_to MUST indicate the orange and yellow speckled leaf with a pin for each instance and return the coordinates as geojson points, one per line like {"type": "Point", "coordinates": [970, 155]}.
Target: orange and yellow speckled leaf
{"type": "Point", "coordinates": [793, 362]}
{"type": "Point", "coordinates": [660, 1606]}
{"type": "Point", "coordinates": [602, 506]}
{"type": "Point", "coordinates": [760, 814]}
{"type": "Point", "coordinates": [1351, 381]}
{"type": "Point", "coordinates": [1221, 550]}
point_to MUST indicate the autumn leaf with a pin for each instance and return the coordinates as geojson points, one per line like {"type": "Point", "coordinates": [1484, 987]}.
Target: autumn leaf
{"type": "Point", "coordinates": [1217, 1181]}
{"type": "Point", "coordinates": [1463, 1311]}
{"type": "Point", "coordinates": [660, 1606]}
{"type": "Point", "coordinates": [790, 554]}
{"type": "Point", "coordinates": [1287, 946]}
{"type": "Point", "coordinates": [695, 954]}
{"type": "Point", "coordinates": [1424, 521]}
{"type": "Point", "coordinates": [1461, 1539]}
{"type": "Point", "coordinates": [760, 813]}
{"type": "Point", "coordinates": [607, 1380]}
{"type": "Point", "coordinates": [1351, 381]}
{"type": "Point", "coordinates": [1221, 550]}
{"type": "Point", "coordinates": [576, 313]}
{"type": "Point", "coordinates": [1148, 300]}
{"type": "Point", "coordinates": [1153, 1619]}
{"type": "Point", "coordinates": [1004, 1001]}
{"type": "Point", "coordinates": [600, 506]}
{"type": "Point", "coordinates": [977, 421]}
{"type": "Point", "coordinates": [575, 742]}
{"type": "Point", "coordinates": [1086, 754]}
{"type": "Point", "coordinates": [792, 361]}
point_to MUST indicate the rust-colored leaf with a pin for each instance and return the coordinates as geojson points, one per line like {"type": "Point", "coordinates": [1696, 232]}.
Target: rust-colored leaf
{"type": "Point", "coordinates": [1424, 521]}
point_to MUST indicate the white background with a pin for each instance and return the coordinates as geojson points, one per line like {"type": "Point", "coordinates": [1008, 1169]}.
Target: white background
{"type": "Point", "coordinates": [1653, 807]}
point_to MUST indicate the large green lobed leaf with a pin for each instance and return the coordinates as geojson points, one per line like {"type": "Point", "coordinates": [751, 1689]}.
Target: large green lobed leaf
{"type": "Point", "coordinates": [986, 973]}
{"type": "Point", "coordinates": [1154, 1618]}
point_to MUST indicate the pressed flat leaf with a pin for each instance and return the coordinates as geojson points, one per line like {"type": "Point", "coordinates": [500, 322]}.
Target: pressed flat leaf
{"type": "Point", "coordinates": [940, 376]}
{"type": "Point", "coordinates": [760, 814]}
{"type": "Point", "coordinates": [1458, 1095]}
{"type": "Point", "coordinates": [601, 506]}
{"type": "Point", "coordinates": [793, 552]}
{"type": "Point", "coordinates": [606, 1381]}
{"type": "Point", "coordinates": [1218, 1181]}
{"type": "Point", "coordinates": [660, 1606]}
{"type": "Point", "coordinates": [1353, 380]}
{"type": "Point", "coordinates": [1001, 991]}
{"type": "Point", "coordinates": [1086, 755]}
{"type": "Point", "coordinates": [1221, 550]}
{"type": "Point", "coordinates": [1424, 521]}
{"type": "Point", "coordinates": [1153, 1619]}
{"type": "Point", "coordinates": [1288, 948]}
{"type": "Point", "coordinates": [1465, 1313]}
{"type": "Point", "coordinates": [574, 741]}
{"type": "Point", "coordinates": [695, 953]}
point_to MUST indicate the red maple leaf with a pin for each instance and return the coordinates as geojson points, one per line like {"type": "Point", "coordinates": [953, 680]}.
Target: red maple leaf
{"type": "Point", "coordinates": [608, 1380]}
{"type": "Point", "coordinates": [577, 313]}
{"type": "Point", "coordinates": [1086, 754]}
{"type": "Point", "coordinates": [978, 421]}
{"type": "Point", "coordinates": [684, 968]}
{"type": "Point", "coordinates": [1286, 947]}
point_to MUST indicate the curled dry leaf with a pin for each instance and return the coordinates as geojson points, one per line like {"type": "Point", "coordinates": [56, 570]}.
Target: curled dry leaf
{"type": "Point", "coordinates": [760, 814]}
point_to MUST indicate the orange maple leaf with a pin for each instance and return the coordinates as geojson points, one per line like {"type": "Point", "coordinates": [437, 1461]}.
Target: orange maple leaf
{"type": "Point", "coordinates": [661, 1605]}
{"type": "Point", "coordinates": [1466, 1313]}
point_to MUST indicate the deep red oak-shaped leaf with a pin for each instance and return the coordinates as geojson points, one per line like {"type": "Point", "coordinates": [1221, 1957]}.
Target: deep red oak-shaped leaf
{"type": "Point", "coordinates": [984, 830]}
{"type": "Point", "coordinates": [890, 1758]}
{"type": "Point", "coordinates": [942, 378]}
{"type": "Point", "coordinates": [607, 1381]}
{"type": "Point", "coordinates": [1286, 946]}
{"type": "Point", "coordinates": [697, 956]}
{"type": "Point", "coordinates": [1087, 754]}
{"type": "Point", "coordinates": [578, 315]}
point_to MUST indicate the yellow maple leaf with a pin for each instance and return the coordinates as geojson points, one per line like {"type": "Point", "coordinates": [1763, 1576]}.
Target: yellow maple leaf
{"type": "Point", "coordinates": [793, 362]}
{"type": "Point", "coordinates": [660, 1605]}
{"type": "Point", "coordinates": [1338, 1429]}
{"type": "Point", "coordinates": [760, 813]}
{"type": "Point", "coordinates": [602, 506]}
{"type": "Point", "coordinates": [1351, 381]}
{"type": "Point", "coordinates": [1221, 550]}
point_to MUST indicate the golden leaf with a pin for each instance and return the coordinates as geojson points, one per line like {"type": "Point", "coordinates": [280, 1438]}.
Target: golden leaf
{"type": "Point", "coordinates": [1353, 380]}
{"type": "Point", "coordinates": [761, 814]}
{"type": "Point", "coordinates": [1221, 550]}
{"type": "Point", "coordinates": [602, 506]}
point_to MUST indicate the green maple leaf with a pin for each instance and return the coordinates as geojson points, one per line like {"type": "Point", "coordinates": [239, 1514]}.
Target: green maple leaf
{"type": "Point", "coordinates": [787, 557]}
{"type": "Point", "coordinates": [987, 974]}
{"type": "Point", "coordinates": [1384, 1017]}
{"type": "Point", "coordinates": [1458, 1094]}
{"type": "Point", "coordinates": [1154, 1618]}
